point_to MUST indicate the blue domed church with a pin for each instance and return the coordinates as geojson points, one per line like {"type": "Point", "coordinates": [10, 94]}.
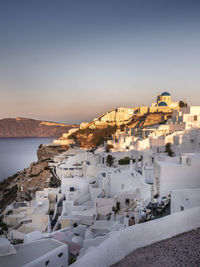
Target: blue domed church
{"type": "Point", "coordinates": [164, 99]}
{"type": "Point", "coordinates": [164, 103]}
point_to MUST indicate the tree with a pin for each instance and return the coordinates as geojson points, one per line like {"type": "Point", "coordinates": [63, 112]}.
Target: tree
{"type": "Point", "coordinates": [110, 160]}
{"type": "Point", "coordinates": [168, 150]}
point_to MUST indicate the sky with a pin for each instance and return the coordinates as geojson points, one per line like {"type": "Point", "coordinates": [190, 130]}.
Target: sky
{"type": "Point", "coordinates": [70, 61]}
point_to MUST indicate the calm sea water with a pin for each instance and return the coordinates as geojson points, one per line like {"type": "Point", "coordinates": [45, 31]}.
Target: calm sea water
{"type": "Point", "coordinates": [17, 153]}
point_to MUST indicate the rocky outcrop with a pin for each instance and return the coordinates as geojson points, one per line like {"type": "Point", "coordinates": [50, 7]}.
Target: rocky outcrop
{"type": "Point", "coordinates": [37, 176]}
{"type": "Point", "coordinates": [22, 127]}
{"type": "Point", "coordinates": [91, 138]}
{"type": "Point", "coordinates": [8, 190]}
{"type": "Point", "coordinates": [46, 152]}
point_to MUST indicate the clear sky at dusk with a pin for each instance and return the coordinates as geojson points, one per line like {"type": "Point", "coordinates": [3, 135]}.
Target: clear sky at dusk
{"type": "Point", "coordinates": [69, 60]}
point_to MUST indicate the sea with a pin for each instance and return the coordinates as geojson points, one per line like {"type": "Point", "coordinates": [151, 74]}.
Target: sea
{"type": "Point", "coordinates": [17, 154]}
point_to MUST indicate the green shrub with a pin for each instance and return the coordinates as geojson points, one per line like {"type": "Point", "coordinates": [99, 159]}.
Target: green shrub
{"type": "Point", "coordinates": [168, 150]}
{"type": "Point", "coordinates": [124, 161]}
{"type": "Point", "coordinates": [110, 160]}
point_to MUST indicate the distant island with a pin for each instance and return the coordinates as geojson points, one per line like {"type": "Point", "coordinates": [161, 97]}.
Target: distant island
{"type": "Point", "coordinates": [24, 127]}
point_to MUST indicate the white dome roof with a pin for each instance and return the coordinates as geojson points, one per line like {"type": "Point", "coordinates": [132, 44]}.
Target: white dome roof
{"type": "Point", "coordinates": [77, 240]}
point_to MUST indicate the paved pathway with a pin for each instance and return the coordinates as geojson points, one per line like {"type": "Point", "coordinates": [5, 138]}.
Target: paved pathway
{"type": "Point", "coordinates": [180, 251]}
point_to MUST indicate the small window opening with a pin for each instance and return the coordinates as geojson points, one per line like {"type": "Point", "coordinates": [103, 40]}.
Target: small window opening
{"type": "Point", "coordinates": [60, 254]}
{"type": "Point", "coordinates": [46, 262]}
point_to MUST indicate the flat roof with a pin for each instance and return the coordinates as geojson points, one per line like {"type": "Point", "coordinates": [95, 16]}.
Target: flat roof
{"type": "Point", "coordinates": [103, 224]}
{"type": "Point", "coordinates": [176, 160]}
{"type": "Point", "coordinates": [169, 163]}
{"type": "Point", "coordinates": [26, 253]}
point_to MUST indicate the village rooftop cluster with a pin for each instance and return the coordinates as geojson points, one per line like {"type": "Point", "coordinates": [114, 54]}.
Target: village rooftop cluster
{"type": "Point", "coordinates": [110, 196]}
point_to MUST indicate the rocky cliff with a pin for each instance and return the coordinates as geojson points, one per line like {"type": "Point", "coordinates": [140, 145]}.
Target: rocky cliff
{"type": "Point", "coordinates": [91, 138]}
{"type": "Point", "coordinates": [22, 127]}
{"type": "Point", "coordinates": [22, 185]}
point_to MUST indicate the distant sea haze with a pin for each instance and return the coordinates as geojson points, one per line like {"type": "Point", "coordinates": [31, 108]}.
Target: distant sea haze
{"type": "Point", "coordinates": [17, 154]}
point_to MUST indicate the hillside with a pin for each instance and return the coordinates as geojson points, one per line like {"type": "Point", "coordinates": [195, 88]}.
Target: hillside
{"type": "Point", "coordinates": [36, 177]}
{"type": "Point", "coordinates": [22, 127]}
{"type": "Point", "coordinates": [148, 119]}
{"type": "Point", "coordinates": [92, 137]}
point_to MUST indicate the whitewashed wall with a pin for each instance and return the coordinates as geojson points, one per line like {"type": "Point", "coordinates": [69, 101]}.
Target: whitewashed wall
{"type": "Point", "coordinates": [122, 243]}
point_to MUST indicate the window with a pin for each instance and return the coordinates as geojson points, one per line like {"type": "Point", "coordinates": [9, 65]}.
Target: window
{"type": "Point", "coordinates": [46, 262]}
{"type": "Point", "coordinates": [182, 208]}
{"type": "Point", "coordinates": [71, 189]}
{"type": "Point", "coordinates": [60, 254]}
{"type": "Point", "coordinates": [127, 201]}
{"type": "Point", "coordinates": [122, 186]}
{"type": "Point", "coordinates": [195, 117]}
{"type": "Point", "coordinates": [71, 169]}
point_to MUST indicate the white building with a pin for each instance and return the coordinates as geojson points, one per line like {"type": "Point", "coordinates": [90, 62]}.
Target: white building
{"type": "Point", "coordinates": [189, 116]}
{"type": "Point", "coordinates": [44, 252]}
{"type": "Point", "coordinates": [74, 188]}
{"type": "Point", "coordinates": [81, 164]}
{"type": "Point", "coordinates": [125, 186]}
{"type": "Point", "coordinates": [182, 199]}
{"type": "Point", "coordinates": [181, 172]}
{"type": "Point", "coordinates": [28, 217]}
